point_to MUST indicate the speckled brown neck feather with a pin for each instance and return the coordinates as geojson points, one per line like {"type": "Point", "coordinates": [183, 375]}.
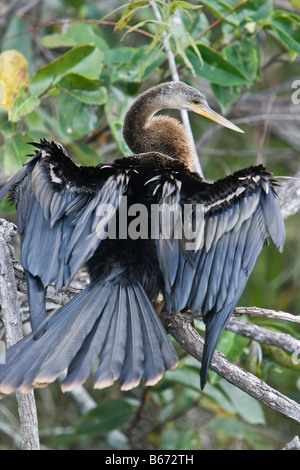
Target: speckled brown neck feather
{"type": "Point", "coordinates": [144, 132]}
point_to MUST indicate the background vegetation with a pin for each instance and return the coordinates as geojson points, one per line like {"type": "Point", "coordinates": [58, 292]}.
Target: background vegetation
{"type": "Point", "coordinates": [82, 64]}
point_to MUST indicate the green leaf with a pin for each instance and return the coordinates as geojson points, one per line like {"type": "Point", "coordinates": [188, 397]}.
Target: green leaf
{"type": "Point", "coordinates": [184, 57]}
{"type": "Point", "coordinates": [141, 24]}
{"type": "Point", "coordinates": [215, 67]}
{"type": "Point", "coordinates": [84, 59]}
{"type": "Point", "coordinates": [157, 37]}
{"type": "Point", "coordinates": [257, 10]}
{"type": "Point", "coordinates": [55, 40]}
{"type": "Point", "coordinates": [76, 33]}
{"type": "Point", "coordinates": [105, 417]}
{"type": "Point", "coordinates": [247, 407]}
{"type": "Point", "coordinates": [174, 437]}
{"type": "Point", "coordinates": [219, 9]}
{"type": "Point", "coordinates": [287, 27]}
{"type": "Point", "coordinates": [140, 66]}
{"type": "Point", "coordinates": [236, 430]}
{"type": "Point", "coordinates": [76, 119]}
{"type": "Point", "coordinates": [151, 63]}
{"type": "Point", "coordinates": [86, 33]}
{"type": "Point", "coordinates": [130, 12]}
{"type": "Point", "coordinates": [23, 105]}
{"type": "Point", "coordinates": [119, 55]}
{"type": "Point", "coordinates": [184, 376]}
{"type": "Point", "coordinates": [244, 55]}
{"type": "Point", "coordinates": [91, 66]}
{"type": "Point", "coordinates": [16, 151]}
{"type": "Point", "coordinates": [226, 95]}
{"type": "Point", "coordinates": [232, 346]}
{"type": "Point", "coordinates": [116, 107]}
{"type": "Point", "coordinates": [183, 6]}
{"type": "Point", "coordinates": [83, 89]}
{"type": "Point", "coordinates": [48, 124]}
{"type": "Point", "coordinates": [219, 397]}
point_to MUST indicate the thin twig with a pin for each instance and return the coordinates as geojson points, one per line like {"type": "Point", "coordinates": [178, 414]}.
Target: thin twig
{"type": "Point", "coordinates": [51, 24]}
{"type": "Point", "coordinates": [219, 20]}
{"type": "Point", "coordinates": [175, 77]}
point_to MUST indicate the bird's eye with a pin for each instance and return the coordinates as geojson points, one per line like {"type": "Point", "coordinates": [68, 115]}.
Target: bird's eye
{"type": "Point", "coordinates": [196, 100]}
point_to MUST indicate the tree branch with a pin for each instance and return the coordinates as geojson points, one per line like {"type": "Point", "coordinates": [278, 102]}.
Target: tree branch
{"type": "Point", "coordinates": [180, 327]}
{"type": "Point", "coordinates": [267, 313]}
{"type": "Point", "coordinates": [14, 333]}
{"type": "Point", "coordinates": [294, 444]}
{"type": "Point", "coordinates": [263, 335]}
{"type": "Point", "coordinates": [289, 196]}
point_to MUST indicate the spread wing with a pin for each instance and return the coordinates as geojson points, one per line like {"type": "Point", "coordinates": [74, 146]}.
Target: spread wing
{"type": "Point", "coordinates": [59, 217]}
{"type": "Point", "coordinates": [209, 254]}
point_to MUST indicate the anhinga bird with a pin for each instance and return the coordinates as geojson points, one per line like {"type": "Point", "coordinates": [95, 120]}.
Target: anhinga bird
{"type": "Point", "coordinates": [63, 226]}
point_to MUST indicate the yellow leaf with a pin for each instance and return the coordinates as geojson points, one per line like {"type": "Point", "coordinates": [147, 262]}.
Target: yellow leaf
{"type": "Point", "coordinates": [14, 75]}
{"type": "Point", "coordinates": [2, 92]}
{"type": "Point", "coordinates": [296, 3]}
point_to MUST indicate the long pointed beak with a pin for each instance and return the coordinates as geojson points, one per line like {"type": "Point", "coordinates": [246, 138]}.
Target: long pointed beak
{"type": "Point", "coordinates": [206, 111]}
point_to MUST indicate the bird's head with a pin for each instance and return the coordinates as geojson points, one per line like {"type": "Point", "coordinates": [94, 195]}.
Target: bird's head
{"type": "Point", "coordinates": [186, 97]}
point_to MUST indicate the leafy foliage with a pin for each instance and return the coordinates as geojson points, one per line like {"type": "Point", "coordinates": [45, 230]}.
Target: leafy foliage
{"type": "Point", "coordinates": [80, 82]}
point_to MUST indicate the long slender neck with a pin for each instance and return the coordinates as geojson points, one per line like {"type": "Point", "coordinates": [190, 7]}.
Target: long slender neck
{"type": "Point", "coordinates": [144, 132]}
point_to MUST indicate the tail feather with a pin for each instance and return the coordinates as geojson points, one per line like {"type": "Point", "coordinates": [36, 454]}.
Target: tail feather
{"type": "Point", "coordinates": [27, 368]}
{"type": "Point", "coordinates": [156, 332]}
{"type": "Point", "coordinates": [132, 370]}
{"type": "Point", "coordinates": [67, 344]}
{"type": "Point", "coordinates": [83, 363]}
{"type": "Point", "coordinates": [116, 323]}
{"type": "Point", "coordinates": [153, 361]}
{"type": "Point", "coordinates": [113, 354]}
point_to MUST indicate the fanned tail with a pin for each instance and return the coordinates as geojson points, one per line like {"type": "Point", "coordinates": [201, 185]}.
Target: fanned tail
{"type": "Point", "coordinates": [114, 323]}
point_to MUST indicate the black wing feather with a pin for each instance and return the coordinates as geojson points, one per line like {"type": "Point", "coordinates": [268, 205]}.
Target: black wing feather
{"type": "Point", "coordinates": [58, 219]}
{"type": "Point", "coordinates": [241, 215]}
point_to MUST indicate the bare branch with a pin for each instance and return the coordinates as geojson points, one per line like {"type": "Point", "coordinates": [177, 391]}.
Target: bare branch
{"type": "Point", "coordinates": [267, 313]}
{"type": "Point", "coordinates": [294, 444]}
{"type": "Point", "coordinates": [186, 335]}
{"type": "Point", "coordinates": [289, 196]}
{"type": "Point", "coordinates": [14, 333]}
{"type": "Point", "coordinates": [263, 335]}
